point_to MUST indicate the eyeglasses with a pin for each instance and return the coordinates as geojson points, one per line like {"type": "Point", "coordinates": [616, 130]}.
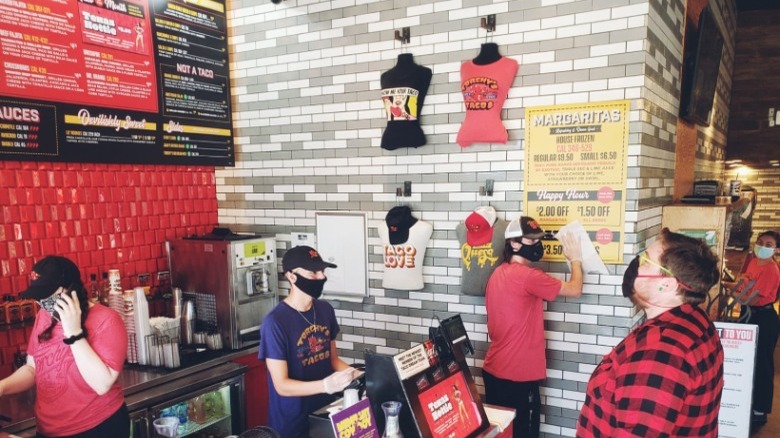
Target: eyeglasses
{"type": "Point", "coordinates": [644, 258]}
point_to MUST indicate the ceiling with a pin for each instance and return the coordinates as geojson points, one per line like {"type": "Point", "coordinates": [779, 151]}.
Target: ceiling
{"type": "Point", "coordinates": [754, 5]}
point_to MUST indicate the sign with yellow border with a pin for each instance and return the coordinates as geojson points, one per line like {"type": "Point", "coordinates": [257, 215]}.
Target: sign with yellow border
{"type": "Point", "coordinates": [575, 158]}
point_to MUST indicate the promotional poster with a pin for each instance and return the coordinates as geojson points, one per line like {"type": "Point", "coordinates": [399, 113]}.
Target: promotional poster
{"type": "Point", "coordinates": [576, 169]}
{"type": "Point", "coordinates": [356, 421]}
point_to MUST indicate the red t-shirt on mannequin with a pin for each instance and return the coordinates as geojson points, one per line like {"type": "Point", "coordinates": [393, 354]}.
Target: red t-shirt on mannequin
{"type": "Point", "coordinates": [485, 83]}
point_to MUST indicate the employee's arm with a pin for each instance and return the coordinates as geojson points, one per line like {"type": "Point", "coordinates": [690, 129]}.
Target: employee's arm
{"type": "Point", "coordinates": [21, 380]}
{"type": "Point", "coordinates": [99, 376]}
{"type": "Point", "coordinates": [573, 253]}
{"type": "Point", "coordinates": [288, 387]}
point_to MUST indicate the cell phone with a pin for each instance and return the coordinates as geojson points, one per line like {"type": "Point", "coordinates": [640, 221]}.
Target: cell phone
{"type": "Point", "coordinates": [70, 288]}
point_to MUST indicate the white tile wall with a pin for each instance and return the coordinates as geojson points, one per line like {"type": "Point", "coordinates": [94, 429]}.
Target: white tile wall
{"type": "Point", "coordinates": [308, 118]}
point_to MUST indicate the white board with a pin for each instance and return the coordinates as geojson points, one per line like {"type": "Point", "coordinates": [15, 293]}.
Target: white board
{"type": "Point", "coordinates": [341, 239]}
{"type": "Point", "coordinates": [739, 354]}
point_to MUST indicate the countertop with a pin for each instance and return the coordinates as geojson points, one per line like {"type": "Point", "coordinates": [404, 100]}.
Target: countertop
{"type": "Point", "coordinates": [134, 379]}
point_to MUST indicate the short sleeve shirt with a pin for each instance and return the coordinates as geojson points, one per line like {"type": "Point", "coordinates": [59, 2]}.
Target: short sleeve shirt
{"type": "Point", "coordinates": [303, 340]}
{"type": "Point", "coordinates": [514, 301]}
{"type": "Point", "coordinates": [64, 403]}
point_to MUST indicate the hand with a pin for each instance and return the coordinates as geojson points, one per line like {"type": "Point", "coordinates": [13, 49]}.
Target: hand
{"type": "Point", "coordinates": [572, 249]}
{"type": "Point", "coordinates": [70, 313]}
{"type": "Point", "coordinates": [337, 381]}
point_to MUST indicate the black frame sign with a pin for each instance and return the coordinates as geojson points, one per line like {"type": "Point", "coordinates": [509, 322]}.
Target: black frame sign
{"type": "Point", "coordinates": [115, 81]}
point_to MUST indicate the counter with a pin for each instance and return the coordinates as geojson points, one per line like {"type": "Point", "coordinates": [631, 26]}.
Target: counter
{"type": "Point", "coordinates": [136, 380]}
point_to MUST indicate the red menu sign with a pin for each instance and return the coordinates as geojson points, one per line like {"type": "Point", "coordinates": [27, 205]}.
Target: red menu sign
{"type": "Point", "coordinates": [115, 81]}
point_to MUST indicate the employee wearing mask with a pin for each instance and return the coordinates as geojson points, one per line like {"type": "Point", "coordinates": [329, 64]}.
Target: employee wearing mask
{"type": "Point", "coordinates": [75, 353]}
{"type": "Point", "coordinates": [297, 342]}
{"type": "Point", "coordinates": [515, 363]}
{"type": "Point", "coordinates": [763, 269]}
{"type": "Point", "coordinates": [666, 377]}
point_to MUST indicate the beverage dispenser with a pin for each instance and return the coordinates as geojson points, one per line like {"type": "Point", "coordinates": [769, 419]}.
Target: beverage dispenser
{"type": "Point", "coordinates": [239, 270]}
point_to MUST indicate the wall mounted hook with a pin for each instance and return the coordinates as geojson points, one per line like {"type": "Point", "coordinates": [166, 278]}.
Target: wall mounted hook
{"type": "Point", "coordinates": [489, 187]}
{"type": "Point", "coordinates": [489, 23]}
{"type": "Point", "coordinates": [404, 35]}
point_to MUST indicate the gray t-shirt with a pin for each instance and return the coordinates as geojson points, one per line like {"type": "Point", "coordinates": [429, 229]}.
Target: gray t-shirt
{"type": "Point", "coordinates": [480, 261]}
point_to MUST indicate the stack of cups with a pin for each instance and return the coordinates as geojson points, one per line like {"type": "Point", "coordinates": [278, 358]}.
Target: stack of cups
{"type": "Point", "coordinates": [115, 299]}
{"type": "Point", "coordinates": [128, 299]}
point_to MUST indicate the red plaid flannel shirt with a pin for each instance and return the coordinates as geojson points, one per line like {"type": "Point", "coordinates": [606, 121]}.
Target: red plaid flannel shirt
{"type": "Point", "coordinates": [664, 380]}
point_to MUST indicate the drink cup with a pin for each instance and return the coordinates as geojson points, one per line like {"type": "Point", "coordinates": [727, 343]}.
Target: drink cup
{"type": "Point", "coordinates": [166, 426]}
{"type": "Point", "coordinates": [350, 397]}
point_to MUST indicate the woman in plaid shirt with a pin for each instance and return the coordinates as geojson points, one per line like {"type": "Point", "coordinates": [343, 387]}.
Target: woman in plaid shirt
{"type": "Point", "coordinates": [666, 377]}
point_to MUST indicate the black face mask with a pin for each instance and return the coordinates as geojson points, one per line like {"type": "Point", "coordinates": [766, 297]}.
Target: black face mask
{"type": "Point", "coordinates": [632, 271]}
{"type": "Point", "coordinates": [312, 288]}
{"type": "Point", "coordinates": [533, 252]}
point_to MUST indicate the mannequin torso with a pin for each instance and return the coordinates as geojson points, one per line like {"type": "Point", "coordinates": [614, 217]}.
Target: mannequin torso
{"type": "Point", "coordinates": [488, 54]}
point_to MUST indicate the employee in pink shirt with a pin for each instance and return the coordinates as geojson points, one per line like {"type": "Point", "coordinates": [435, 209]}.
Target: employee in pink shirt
{"type": "Point", "coordinates": [74, 356]}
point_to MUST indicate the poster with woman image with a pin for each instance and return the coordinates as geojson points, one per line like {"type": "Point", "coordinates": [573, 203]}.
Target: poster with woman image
{"type": "Point", "coordinates": [449, 409]}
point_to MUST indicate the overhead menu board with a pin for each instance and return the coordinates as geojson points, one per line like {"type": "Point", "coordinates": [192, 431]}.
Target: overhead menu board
{"type": "Point", "coordinates": [120, 81]}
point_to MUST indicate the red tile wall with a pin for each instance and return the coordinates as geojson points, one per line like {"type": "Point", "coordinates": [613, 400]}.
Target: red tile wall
{"type": "Point", "coordinates": [102, 216]}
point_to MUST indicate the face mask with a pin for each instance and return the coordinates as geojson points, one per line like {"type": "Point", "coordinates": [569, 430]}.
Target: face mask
{"type": "Point", "coordinates": [533, 252]}
{"type": "Point", "coordinates": [47, 304]}
{"type": "Point", "coordinates": [629, 277]}
{"type": "Point", "coordinates": [312, 288]}
{"type": "Point", "coordinates": [763, 252]}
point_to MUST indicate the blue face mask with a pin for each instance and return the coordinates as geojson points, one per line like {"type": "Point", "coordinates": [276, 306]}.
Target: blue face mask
{"type": "Point", "coordinates": [763, 252]}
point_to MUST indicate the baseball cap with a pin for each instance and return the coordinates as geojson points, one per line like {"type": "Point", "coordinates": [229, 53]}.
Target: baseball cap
{"type": "Point", "coordinates": [524, 226]}
{"type": "Point", "coordinates": [479, 225]}
{"type": "Point", "coordinates": [304, 257]}
{"type": "Point", "coordinates": [399, 220]}
{"type": "Point", "coordinates": [48, 275]}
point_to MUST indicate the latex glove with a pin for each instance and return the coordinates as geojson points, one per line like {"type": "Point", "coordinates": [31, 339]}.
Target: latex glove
{"type": "Point", "coordinates": [572, 249]}
{"type": "Point", "coordinates": [337, 381]}
{"type": "Point", "coordinates": [70, 313]}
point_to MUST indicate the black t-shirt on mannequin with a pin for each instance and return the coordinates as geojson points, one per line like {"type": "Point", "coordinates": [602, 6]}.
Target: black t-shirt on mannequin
{"type": "Point", "coordinates": [488, 54]}
{"type": "Point", "coordinates": [403, 92]}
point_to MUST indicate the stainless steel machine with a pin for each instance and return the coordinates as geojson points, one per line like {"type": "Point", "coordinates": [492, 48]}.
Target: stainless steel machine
{"type": "Point", "coordinates": [239, 270]}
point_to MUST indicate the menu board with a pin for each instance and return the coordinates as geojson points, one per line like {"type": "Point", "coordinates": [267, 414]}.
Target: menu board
{"type": "Point", "coordinates": [576, 163]}
{"type": "Point", "coordinates": [115, 81]}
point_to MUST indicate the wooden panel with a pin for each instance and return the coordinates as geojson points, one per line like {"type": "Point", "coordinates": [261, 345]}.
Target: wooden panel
{"type": "Point", "coordinates": [754, 91]}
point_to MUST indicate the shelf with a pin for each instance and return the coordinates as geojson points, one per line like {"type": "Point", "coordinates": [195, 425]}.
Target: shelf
{"type": "Point", "coordinates": [191, 426]}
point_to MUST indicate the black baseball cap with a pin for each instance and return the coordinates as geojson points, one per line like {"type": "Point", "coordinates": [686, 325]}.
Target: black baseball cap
{"type": "Point", "coordinates": [48, 275]}
{"type": "Point", "coordinates": [399, 220]}
{"type": "Point", "coordinates": [304, 257]}
{"type": "Point", "coordinates": [524, 226]}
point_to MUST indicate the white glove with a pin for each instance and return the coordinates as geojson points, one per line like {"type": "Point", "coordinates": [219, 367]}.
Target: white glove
{"type": "Point", "coordinates": [337, 381]}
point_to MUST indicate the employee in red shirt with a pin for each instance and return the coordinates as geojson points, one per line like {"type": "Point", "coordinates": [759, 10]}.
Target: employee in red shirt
{"type": "Point", "coordinates": [666, 377]}
{"type": "Point", "coordinates": [515, 361]}
{"type": "Point", "coordinates": [764, 271]}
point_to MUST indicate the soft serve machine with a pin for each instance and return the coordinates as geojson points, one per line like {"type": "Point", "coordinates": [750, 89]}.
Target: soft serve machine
{"type": "Point", "coordinates": [239, 270]}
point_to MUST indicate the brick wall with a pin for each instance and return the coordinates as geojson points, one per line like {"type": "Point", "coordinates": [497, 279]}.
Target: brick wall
{"type": "Point", "coordinates": [767, 185]}
{"type": "Point", "coordinates": [309, 121]}
{"type": "Point", "coordinates": [102, 216]}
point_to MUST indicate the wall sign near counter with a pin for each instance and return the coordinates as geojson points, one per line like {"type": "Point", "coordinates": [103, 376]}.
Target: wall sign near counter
{"type": "Point", "coordinates": [115, 81]}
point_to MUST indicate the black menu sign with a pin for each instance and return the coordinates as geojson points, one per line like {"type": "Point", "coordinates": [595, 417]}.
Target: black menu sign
{"type": "Point", "coordinates": [115, 81]}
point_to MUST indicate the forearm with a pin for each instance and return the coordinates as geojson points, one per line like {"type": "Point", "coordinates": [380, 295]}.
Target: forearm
{"type": "Point", "coordinates": [99, 376]}
{"type": "Point", "coordinates": [298, 388]}
{"type": "Point", "coordinates": [21, 380]}
{"type": "Point", "coordinates": [573, 287]}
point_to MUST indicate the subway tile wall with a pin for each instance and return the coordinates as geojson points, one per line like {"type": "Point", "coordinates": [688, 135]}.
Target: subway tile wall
{"type": "Point", "coordinates": [102, 216]}
{"type": "Point", "coordinates": [309, 120]}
